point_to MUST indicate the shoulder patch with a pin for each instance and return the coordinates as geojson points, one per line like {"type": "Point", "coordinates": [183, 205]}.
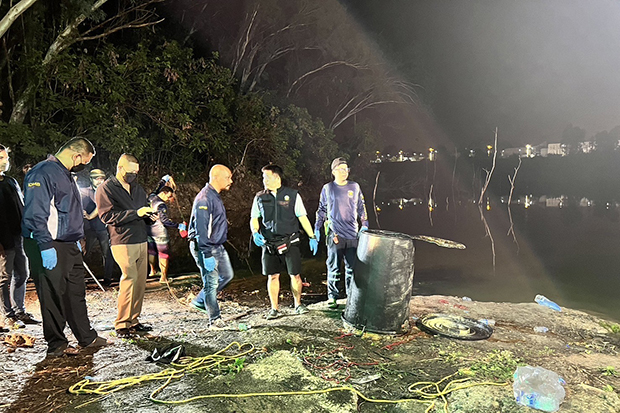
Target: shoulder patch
{"type": "Point", "coordinates": [33, 184]}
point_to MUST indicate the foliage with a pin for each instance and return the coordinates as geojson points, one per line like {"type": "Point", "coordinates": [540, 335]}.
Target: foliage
{"type": "Point", "coordinates": [609, 371]}
{"type": "Point", "coordinates": [612, 328]}
{"type": "Point", "coordinates": [497, 365]}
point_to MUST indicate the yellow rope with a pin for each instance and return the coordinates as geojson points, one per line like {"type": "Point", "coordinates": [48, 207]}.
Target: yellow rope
{"type": "Point", "coordinates": [192, 365]}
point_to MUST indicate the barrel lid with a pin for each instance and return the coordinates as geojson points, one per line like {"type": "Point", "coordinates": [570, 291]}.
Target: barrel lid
{"type": "Point", "coordinates": [454, 326]}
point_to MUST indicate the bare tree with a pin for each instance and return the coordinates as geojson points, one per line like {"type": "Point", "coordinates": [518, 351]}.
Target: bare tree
{"type": "Point", "coordinates": [512, 179]}
{"type": "Point", "coordinates": [389, 91]}
{"type": "Point", "coordinates": [489, 175]}
{"type": "Point", "coordinates": [260, 44]}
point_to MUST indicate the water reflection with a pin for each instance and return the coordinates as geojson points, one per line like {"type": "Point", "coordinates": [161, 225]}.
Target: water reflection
{"type": "Point", "coordinates": [524, 201]}
{"type": "Point", "coordinates": [557, 245]}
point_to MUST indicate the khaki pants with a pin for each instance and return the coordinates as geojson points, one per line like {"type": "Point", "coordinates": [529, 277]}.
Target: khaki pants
{"type": "Point", "coordinates": [133, 261]}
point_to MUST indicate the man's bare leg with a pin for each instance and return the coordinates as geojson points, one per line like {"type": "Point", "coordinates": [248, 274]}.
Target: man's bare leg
{"type": "Point", "coordinates": [273, 288]}
{"type": "Point", "coordinates": [296, 286]}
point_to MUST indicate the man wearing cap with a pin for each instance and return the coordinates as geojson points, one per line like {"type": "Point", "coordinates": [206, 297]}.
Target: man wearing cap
{"type": "Point", "coordinates": [274, 220]}
{"type": "Point", "coordinates": [94, 229]}
{"type": "Point", "coordinates": [13, 262]}
{"type": "Point", "coordinates": [341, 205]}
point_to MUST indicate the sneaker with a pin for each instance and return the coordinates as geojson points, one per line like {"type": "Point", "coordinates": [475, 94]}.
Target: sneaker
{"type": "Point", "coordinates": [333, 304]}
{"type": "Point", "coordinates": [217, 324]}
{"type": "Point", "coordinates": [272, 314]}
{"type": "Point", "coordinates": [27, 318]}
{"type": "Point", "coordinates": [301, 309]}
{"type": "Point", "coordinates": [13, 323]}
{"type": "Point", "coordinates": [196, 306]}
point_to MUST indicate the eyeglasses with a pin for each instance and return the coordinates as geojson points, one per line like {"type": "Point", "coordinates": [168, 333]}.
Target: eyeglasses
{"type": "Point", "coordinates": [342, 169]}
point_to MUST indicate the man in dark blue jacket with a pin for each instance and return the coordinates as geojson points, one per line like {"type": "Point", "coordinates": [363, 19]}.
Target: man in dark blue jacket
{"type": "Point", "coordinates": [52, 228]}
{"type": "Point", "coordinates": [208, 230]}
{"type": "Point", "coordinates": [13, 262]}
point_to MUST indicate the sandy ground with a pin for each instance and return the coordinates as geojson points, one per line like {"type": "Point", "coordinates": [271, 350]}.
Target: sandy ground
{"type": "Point", "coordinates": [312, 353]}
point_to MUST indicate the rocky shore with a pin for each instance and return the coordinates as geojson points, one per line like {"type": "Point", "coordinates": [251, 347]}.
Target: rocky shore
{"type": "Point", "coordinates": [327, 367]}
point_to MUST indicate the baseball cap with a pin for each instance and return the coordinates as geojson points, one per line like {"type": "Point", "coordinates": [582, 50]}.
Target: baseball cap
{"type": "Point", "coordinates": [337, 162]}
{"type": "Point", "coordinates": [96, 173]}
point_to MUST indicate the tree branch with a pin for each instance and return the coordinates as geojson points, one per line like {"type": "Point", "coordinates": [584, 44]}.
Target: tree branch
{"type": "Point", "coordinates": [118, 28]}
{"type": "Point", "coordinates": [325, 66]}
{"type": "Point", "coordinates": [13, 13]}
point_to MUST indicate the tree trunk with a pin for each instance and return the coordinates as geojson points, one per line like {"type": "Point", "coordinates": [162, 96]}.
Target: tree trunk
{"type": "Point", "coordinates": [64, 40]}
{"type": "Point", "coordinates": [13, 13]}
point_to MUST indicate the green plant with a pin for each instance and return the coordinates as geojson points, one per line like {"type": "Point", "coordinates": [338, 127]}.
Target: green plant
{"type": "Point", "coordinates": [612, 328]}
{"type": "Point", "coordinates": [237, 366]}
{"type": "Point", "coordinates": [497, 365]}
{"type": "Point", "coordinates": [609, 371]}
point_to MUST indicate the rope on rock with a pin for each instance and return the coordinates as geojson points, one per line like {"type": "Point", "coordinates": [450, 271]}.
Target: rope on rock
{"type": "Point", "coordinates": [429, 393]}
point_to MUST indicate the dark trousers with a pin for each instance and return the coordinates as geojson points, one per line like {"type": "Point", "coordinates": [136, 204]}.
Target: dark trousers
{"type": "Point", "coordinates": [104, 243]}
{"type": "Point", "coordinates": [62, 293]}
{"type": "Point", "coordinates": [345, 250]}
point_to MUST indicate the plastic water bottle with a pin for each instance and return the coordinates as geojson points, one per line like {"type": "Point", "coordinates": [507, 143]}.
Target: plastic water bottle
{"type": "Point", "coordinates": [540, 329]}
{"type": "Point", "coordinates": [487, 321]}
{"type": "Point", "coordinates": [538, 388]}
{"type": "Point", "coordinates": [542, 300]}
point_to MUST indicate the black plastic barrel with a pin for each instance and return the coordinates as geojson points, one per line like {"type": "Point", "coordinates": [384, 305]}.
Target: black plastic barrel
{"type": "Point", "coordinates": [380, 291]}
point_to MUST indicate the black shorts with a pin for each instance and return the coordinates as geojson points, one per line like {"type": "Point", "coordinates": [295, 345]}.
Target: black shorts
{"type": "Point", "coordinates": [276, 263]}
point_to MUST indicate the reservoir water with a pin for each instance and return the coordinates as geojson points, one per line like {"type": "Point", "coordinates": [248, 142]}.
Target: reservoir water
{"type": "Point", "coordinates": [567, 249]}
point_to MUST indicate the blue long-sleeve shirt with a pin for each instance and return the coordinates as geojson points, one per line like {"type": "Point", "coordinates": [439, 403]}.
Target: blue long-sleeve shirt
{"type": "Point", "coordinates": [342, 206]}
{"type": "Point", "coordinates": [52, 205]}
{"type": "Point", "coordinates": [208, 226]}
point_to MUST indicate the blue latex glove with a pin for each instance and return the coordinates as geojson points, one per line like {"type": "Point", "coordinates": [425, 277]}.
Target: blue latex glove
{"type": "Point", "coordinates": [79, 245]}
{"type": "Point", "coordinates": [182, 226]}
{"type": "Point", "coordinates": [209, 263]}
{"type": "Point", "coordinates": [259, 240]}
{"type": "Point", "coordinates": [49, 257]}
{"type": "Point", "coordinates": [363, 228]}
{"type": "Point", "coordinates": [314, 245]}
{"type": "Point", "coordinates": [166, 178]}
{"type": "Point", "coordinates": [317, 234]}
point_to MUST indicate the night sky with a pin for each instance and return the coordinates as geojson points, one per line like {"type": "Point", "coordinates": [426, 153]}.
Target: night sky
{"type": "Point", "coordinates": [529, 67]}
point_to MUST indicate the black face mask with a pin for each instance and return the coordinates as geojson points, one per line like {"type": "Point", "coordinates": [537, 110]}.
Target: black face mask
{"type": "Point", "coordinates": [77, 168]}
{"type": "Point", "coordinates": [130, 177]}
